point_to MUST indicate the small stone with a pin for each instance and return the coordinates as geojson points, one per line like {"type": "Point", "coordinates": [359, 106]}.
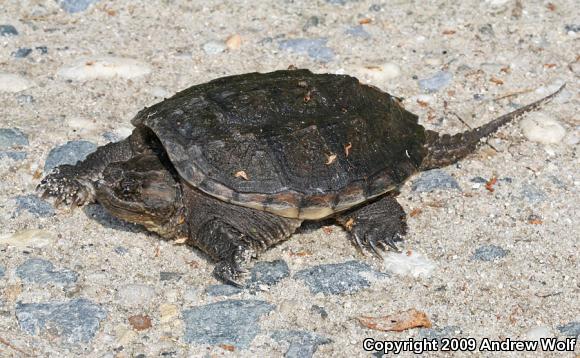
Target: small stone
{"type": "Point", "coordinates": [234, 42]}
{"type": "Point", "coordinates": [103, 68]}
{"type": "Point", "coordinates": [14, 83]}
{"type": "Point", "coordinates": [120, 250]}
{"type": "Point", "coordinates": [160, 92]}
{"type": "Point", "coordinates": [69, 153]}
{"type": "Point", "coordinates": [434, 180]}
{"type": "Point", "coordinates": [358, 31]}
{"type": "Point", "coordinates": [28, 238]}
{"type": "Point", "coordinates": [222, 290]}
{"type": "Point", "coordinates": [13, 155]}
{"type": "Point", "coordinates": [34, 205]}
{"type": "Point", "coordinates": [532, 194]}
{"type": "Point", "coordinates": [22, 52]}
{"type": "Point", "coordinates": [12, 138]}
{"type": "Point", "coordinates": [303, 344]}
{"type": "Point", "coordinates": [8, 30]}
{"type": "Point", "coordinates": [231, 322]}
{"type": "Point", "coordinates": [76, 321]}
{"type": "Point", "coordinates": [140, 322]}
{"type": "Point", "coordinates": [346, 277]}
{"type": "Point", "coordinates": [435, 82]}
{"type": "Point", "coordinates": [214, 47]}
{"type": "Point", "coordinates": [43, 49]}
{"type": "Point", "coordinates": [571, 329]}
{"type": "Point", "coordinates": [569, 28]}
{"type": "Point", "coordinates": [489, 253]}
{"type": "Point", "coordinates": [42, 271]}
{"type": "Point", "coordinates": [2, 271]}
{"type": "Point", "coordinates": [169, 276]}
{"type": "Point", "coordinates": [269, 273]}
{"type": "Point", "coordinates": [478, 180]}
{"type": "Point", "coordinates": [135, 294]}
{"type": "Point", "coordinates": [438, 333]}
{"type": "Point", "coordinates": [25, 99]}
{"type": "Point", "coordinates": [375, 7]}
{"type": "Point", "coordinates": [408, 264]}
{"type": "Point", "coordinates": [319, 310]}
{"type": "Point", "coordinates": [73, 6]}
{"type": "Point", "coordinates": [168, 313]}
{"type": "Point", "coordinates": [316, 49]}
{"type": "Point", "coordinates": [312, 21]}
{"type": "Point", "coordinates": [536, 333]}
{"type": "Point", "coordinates": [540, 128]}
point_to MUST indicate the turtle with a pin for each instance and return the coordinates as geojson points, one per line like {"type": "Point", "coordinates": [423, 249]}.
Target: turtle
{"type": "Point", "coordinates": [235, 165]}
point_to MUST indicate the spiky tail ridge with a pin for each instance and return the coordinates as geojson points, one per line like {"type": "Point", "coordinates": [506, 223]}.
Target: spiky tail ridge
{"type": "Point", "coordinates": [443, 150]}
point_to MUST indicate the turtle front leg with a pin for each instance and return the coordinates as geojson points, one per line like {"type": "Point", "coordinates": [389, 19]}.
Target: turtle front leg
{"type": "Point", "coordinates": [377, 225]}
{"type": "Point", "coordinates": [232, 235]}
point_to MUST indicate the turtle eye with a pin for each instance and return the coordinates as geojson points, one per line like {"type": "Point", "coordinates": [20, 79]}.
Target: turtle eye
{"type": "Point", "coordinates": [128, 188]}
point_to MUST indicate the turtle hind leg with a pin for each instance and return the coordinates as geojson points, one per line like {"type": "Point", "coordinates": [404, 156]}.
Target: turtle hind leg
{"type": "Point", "coordinates": [377, 225]}
{"type": "Point", "coordinates": [232, 235]}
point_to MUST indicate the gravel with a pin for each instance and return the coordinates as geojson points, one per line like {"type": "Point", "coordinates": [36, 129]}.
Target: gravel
{"type": "Point", "coordinates": [436, 82]}
{"type": "Point", "coordinates": [34, 205]}
{"type": "Point", "coordinates": [302, 344]}
{"type": "Point", "coordinates": [434, 180]}
{"type": "Point", "coordinates": [8, 30]}
{"type": "Point", "coordinates": [38, 270]}
{"type": "Point", "coordinates": [489, 253]}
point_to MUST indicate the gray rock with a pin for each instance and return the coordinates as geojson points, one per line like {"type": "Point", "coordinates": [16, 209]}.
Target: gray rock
{"type": "Point", "coordinates": [319, 310]}
{"type": "Point", "coordinates": [120, 250]}
{"type": "Point", "coordinates": [302, 344]}
{"type": "Point", "coordinates": [346, 277]}
{"type": "Point", "coordinates": [375, 7]}
{"type": "Point", "coordinates": [478, 180]}
{"type": "Point", "coordinates": [572, 28]}
{"type": "Point", "coordinates": [339, 2]}
{"type": "Point", "coordinates": [434, 180]}
{"type": "Point", "coordinates": [233, 322]}
{"type": "Point", "coordinates": [34, 205]}
{"type": "Point", "coordinates": [43, 49]}
{"type": "Point", "coordinates": [8, 30]}
{"type": "Point", "coordinates": [214, 47]}
{"type": "Point", "coordinates": [72, 6]}
{"type": "Point", "coordinates": [489, 253]}
{"type": "Point", "coordinates": [22, 52]}
{"type": "Point", "coordinates": [311, 22]}
{"type": "Point", "coordinates": [222, 290]}
{"type": "Point", "coordinates": [25, 99]}
{"type": "Point", "coordinates": [2, 271]}
{"type": "Point", "coordinates": [42, 271]}
{"type": "Point", "coordinates": [12, 138]}
{"type": "Point", "coordinates": [69, 153]}
{"type": "Point", "coordinates": [316, 49]}
{"type": "Point", "coordinates": [571, 329]}
{"type": "Point", "coordinates": [269, 272]}
{"type": "Point", "coordinates": [13, 155]}
{"type": "Point", "coordinates": [75, 321]}
{"type": "Point", "coordinates": [438, 333]}
{"type": "Point", "coordinates": [532, 194]}
{"type": "Point", "coordinates": [169, 276]}
{"type": "Point", "coordinates": [358, 31]}
{"type": "Point", "coordinates": [435, 82]}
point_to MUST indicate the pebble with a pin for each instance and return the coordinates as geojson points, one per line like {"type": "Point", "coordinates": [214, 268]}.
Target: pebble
{"type": "Point", "coordinates": [28, 238]}
{"type": "Point", "coordinates": [73, 6]}
{"type": "Point", "coordinates": [540, 128]}
{"type": "Point", "coordinates": [14, 83]}
{"type": "Point", "coordinates": [76, 321]}
{"type": "Point", "coordinates": [120, 250]}
{"type": "Point", "coordinates": [69, 153]}
{"type": "Point", "coordinates": [22, 52]}
{"type": "Point", "coordinates": [230, 322]}
{"type": "Point", "coordinates": [571, 329]}
{"type": "Point", "coordinates": [135, 294]}
{"type": "Point", "coordinates": [415, 264]}
{"type": "Point", "coordinates": [12, 137]}
{"type": "Point", "coordinates": [316, 49]}
{"type": "Point", "coordinates": [222, 290]}
{"type": "Point", "coordinates": [140, 322]}
{"type": "Point", "coordinates": [312, 21]}
{"type": "Point", "coordinates": [379, 74]}
{"type": "Point", "coordinates": [489, 253]}
{"type": "Point", "coordinates": [2, 271]}
{"type": "Point", "coordinates": [160, 92]}
{"type": "Point", "coordinates": [24, 99]}
{"type": "Point", "coordinates": [375, 7]}
{"type": "Point", "coordinates": [303, 344]}
{"type": "Point", "coordinates": [532, 194]}
{"type": "Point", "coordinates": [38, 270]}
{"type": "Point", "coordinates": [346, 277]}
{"type": "Point", "coordinates": [438, 333]}
{"type": "Point", "coordinates": [169, 276]}
{"type": "Point", "coordinates": [435, 82]}
{"type": "Point", "coordinates": [536, 333]}
{"type": "Point", "coordinates": [214, 47]}
{"type": "Point", "coordinates": [434, 180]}
{"type": "Point", "coordinates": [269, 272]}
{"type": "Point", "coordinates": [13, 155]}
{"type": "Point", "coordinates": [358, 31]}
{"type": "Point", "coordinates": [168, 313]}
{"type": "Point", "coordinates": [104, 67]}
{"type": "Point", "coordinates": [8, 30]}
{"type": "Point", "coordinates": [568, 27]}
{"type": "Point", "coordinates": [234, 42]}
{"type": "Point", "coordinates": [319, 310]}
{"type": "Point", "coordinates": [34, 205]}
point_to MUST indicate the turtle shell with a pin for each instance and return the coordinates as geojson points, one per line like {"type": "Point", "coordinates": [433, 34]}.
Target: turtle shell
{"type": "Point", "coordinates": [294, 143]}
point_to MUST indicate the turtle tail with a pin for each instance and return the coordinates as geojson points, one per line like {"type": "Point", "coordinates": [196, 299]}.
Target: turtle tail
{"type": "Point", "coordinates": [443, 150]}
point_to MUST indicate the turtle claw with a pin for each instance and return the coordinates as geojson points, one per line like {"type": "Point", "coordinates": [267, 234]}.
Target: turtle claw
{"type": "Point", "coordinates": [64, 184]}
{"type": "Point", "coordinates": [228, 272]}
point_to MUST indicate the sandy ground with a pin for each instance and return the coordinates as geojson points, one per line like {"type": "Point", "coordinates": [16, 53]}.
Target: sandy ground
{"type": "Point", "coordinates": [501, 54]}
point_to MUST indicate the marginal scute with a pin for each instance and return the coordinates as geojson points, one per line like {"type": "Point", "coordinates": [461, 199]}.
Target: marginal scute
{"type": "Point", "coordinates": [279, 128]}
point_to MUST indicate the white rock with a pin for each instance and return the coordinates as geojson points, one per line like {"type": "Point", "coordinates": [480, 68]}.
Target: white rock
{"type": "Point", "coordinates": [214, 47]}
{"type": "Point", "coordinates": [160, 92]}
{"type": "Point", "coordinates": [103, 67]}
{"type": "Point", "coordinates": [540, 128]}
{"type": "Point", "coordinates": [135, 294]}
{"type": "Point", "coordinates": [81, 124]}
{"type": "Point", "coordinates": [14, 83]}
{"type": "Point", "coordinates": [433, 61]}
{"type": "Point", "coordinates": [379, 74]}
{"type": "Point", "coordinates": [536, 333]}
{"type": "Point", "coordinates": [415, 264]}
{"type": "Point", "coordinates": [28, 238]}
{"type": "Point", "coordinates": [497, 3]}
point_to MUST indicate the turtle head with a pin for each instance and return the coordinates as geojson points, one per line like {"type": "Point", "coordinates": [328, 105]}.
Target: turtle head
{"type": "Point", "coordinates": [143, 191]}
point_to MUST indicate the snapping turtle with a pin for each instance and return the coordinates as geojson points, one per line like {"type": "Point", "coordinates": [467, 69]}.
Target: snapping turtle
{"type": "Point", "coordinates": [233, 166]}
